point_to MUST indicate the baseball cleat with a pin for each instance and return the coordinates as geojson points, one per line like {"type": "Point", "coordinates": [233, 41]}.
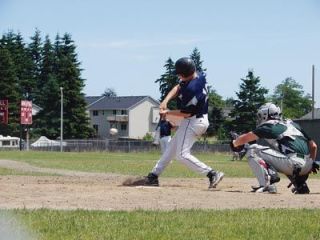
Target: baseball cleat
{"type": "Point", "coordinates": [214, 178]}
{"type": "Point", "coordinates": [261, 189]}
{"type": "Point", "coordinates": [151, 180]}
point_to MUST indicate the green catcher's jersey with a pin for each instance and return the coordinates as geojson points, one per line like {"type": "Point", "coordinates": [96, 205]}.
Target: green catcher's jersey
{"type": "Point", "coordinates": [284, 136]}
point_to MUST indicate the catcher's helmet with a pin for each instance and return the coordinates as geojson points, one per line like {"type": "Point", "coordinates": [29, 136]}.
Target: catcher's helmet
{"type": "Point", "coordinates": [268, 111]}
{"type": "Point", "coordinates": [185, 66]}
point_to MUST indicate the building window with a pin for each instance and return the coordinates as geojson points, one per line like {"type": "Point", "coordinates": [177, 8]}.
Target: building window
{"type": "Point", "coordinates": [6, 143]}
{"type": "Point", "coordinates": [123, 112]}
{"type": "Point", "coordinates": [114, 112]}
{"type": "Point", "coordinates": [96, 127]}
{"type": "Point", "coordinates": [95, 113]}
{"type": "Point", "coordinates": [123, 127]}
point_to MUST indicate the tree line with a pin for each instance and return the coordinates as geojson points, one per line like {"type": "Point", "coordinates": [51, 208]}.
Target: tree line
{"type": "Point", "coordinates": [36, 71]}
{"type": "Point", "coordinates": [289, 94]}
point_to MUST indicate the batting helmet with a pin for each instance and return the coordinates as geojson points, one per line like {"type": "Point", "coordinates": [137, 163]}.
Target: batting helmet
{"type": "Point", "coordinates": [185, 66]}
{"type": "Point", "coordinates": [268, 111]}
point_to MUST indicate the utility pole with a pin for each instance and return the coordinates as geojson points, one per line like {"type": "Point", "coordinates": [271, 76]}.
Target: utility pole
{"type": "Point", "coordinates": [61, 121]}
{"type": "Point", "coordinates": [312, 91]}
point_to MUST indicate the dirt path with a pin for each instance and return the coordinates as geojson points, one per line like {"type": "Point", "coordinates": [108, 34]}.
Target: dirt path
{"type": "Point", "coordinates": [73, 190]}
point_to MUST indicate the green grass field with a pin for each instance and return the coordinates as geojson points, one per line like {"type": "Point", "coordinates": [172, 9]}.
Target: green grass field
{"type": "Point", "coordinates": [125, 163]}
{"type": "Point", "coordinates": [139, 224]}
{"type": "Point", "coordinates": [175, 225]}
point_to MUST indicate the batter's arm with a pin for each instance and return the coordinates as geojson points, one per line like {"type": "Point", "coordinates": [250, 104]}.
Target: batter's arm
{"type": "Point", "coordinates": [245, 138]}
{"type": "Point", "coordinates": [171, 95]}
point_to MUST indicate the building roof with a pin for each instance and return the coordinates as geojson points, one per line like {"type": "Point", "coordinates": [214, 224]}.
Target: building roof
{"type": "Point", "coordinates": [308, 116]}
{"type": "Point", "coordinates": [91, 99]}
{"type": "Point", "coordinates": [111, 103]}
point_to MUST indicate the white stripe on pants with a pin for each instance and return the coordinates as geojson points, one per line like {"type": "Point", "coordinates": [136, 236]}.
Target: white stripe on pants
{"type": "Point", "coordinates": [180, 145]}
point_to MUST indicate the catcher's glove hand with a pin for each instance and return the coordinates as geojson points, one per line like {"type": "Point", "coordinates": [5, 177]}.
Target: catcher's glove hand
{"type": "Point", "coordinates": [234, 136]}
{"type": "Point", "coordinates": [315, 168]}
{"type": "Point", "coordinates": [234, 148]}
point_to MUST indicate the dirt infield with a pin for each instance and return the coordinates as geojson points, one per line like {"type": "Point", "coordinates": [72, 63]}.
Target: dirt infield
{"type": "Point", "coordinates": [96, 191]}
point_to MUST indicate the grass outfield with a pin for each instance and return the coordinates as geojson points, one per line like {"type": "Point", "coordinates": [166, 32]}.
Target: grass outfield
{"type": "Point", "coordinates": [126, 163]}
{"type": "Point", "coordinates": [179, 224]}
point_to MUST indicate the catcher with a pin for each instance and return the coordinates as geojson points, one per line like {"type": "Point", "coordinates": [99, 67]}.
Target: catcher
{"type": "Point", "coordinates": [193, 104]}
{"type": "Point", "coordinates": [291, 152]}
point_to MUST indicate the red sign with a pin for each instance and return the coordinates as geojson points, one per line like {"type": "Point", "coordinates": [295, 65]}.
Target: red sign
{"type": "Point", "coordinates": [4, 111]}
{"type": "Point", "coordinates": [26, 112]}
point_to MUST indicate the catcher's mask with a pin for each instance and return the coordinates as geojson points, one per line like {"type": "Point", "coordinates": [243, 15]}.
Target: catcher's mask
{"type": "Point", "coordinates": [268, 111]}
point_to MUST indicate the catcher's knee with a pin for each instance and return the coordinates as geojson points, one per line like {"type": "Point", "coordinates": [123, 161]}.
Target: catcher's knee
{"type": "Point", "coordinates": [274, 176]}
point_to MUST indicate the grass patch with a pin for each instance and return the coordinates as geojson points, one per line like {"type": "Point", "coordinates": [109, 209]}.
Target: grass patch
{"type": "Point", "coordinates": [176, 225]}
{"type": "Point", "coordinates": [127, 163]}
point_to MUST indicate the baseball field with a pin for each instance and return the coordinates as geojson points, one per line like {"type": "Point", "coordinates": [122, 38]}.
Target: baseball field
{"type": "Point", "coordinates": [47, 195]}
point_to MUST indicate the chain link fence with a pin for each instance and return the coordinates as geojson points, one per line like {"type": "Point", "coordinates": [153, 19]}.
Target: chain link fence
{"type": "Point", "coordinates": [110, 145]}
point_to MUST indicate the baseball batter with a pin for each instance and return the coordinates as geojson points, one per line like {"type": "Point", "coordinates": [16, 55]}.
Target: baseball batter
{"type": "Point", "coordinates": [192, 96]}
{"type": "Point", "coordinates": [291, 152]}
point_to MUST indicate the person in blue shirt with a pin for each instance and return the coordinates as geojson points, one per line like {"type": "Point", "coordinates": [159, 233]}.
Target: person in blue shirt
{"type": "Point", "coordinates": [192, 99]}
{"type": "Point", "coordinates": [165, 127]}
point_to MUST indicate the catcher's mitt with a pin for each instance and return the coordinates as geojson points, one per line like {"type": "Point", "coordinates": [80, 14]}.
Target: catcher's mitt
{"type": "Point", "coordinates": [234, 136]}
{"type": "Point", "coordinates": [236, 149]}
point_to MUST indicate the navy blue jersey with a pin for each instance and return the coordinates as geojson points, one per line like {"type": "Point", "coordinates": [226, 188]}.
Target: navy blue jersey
{"type": "Point", "coordinates": [165, 128]}
{"type": "Point", "coordinates": [193, 96]}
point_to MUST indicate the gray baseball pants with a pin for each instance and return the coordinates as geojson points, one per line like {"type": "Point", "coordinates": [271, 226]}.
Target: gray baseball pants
{"type": "Point", "coordinates": [282, 163]}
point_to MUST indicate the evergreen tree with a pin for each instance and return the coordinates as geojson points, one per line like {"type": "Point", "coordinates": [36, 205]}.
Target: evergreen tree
{"type": "Point", "coordinates": [215, 115]}
{"type": "Point", "coordinates": [250, 97]}
{"type": "Point", "coordinates": [47, 71]}
{"type": "Point", "coordinates": [167, 81]}
{"type": "Point", "coordinates": [290, 96]}
{"type": "Point", "coordinates": [195, 56]}
{"type": "Point", "coordinates": [76, 122]}
{"type": "Point", "coordinates": [47, 121]}
{"type": "Point", "coordinates": [60, 68]}
{"type": "Point", "coordinates": [9, 91]}
{"type": "Point", "coordinates": [22, 63]}
{"type": "Point", "coordinates": [35, 53]}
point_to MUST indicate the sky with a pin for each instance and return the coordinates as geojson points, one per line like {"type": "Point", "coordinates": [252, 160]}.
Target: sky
{"type": "Point", "coordinates": [124, 44]}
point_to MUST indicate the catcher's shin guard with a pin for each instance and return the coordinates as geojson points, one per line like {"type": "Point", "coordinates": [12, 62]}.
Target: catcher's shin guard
{"type": "Point", "coordinates": [274, 176]}
{"type": "Point", "coordinates": [301, 189]}
{"type": "Point", "coordinates": [299, 182]}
